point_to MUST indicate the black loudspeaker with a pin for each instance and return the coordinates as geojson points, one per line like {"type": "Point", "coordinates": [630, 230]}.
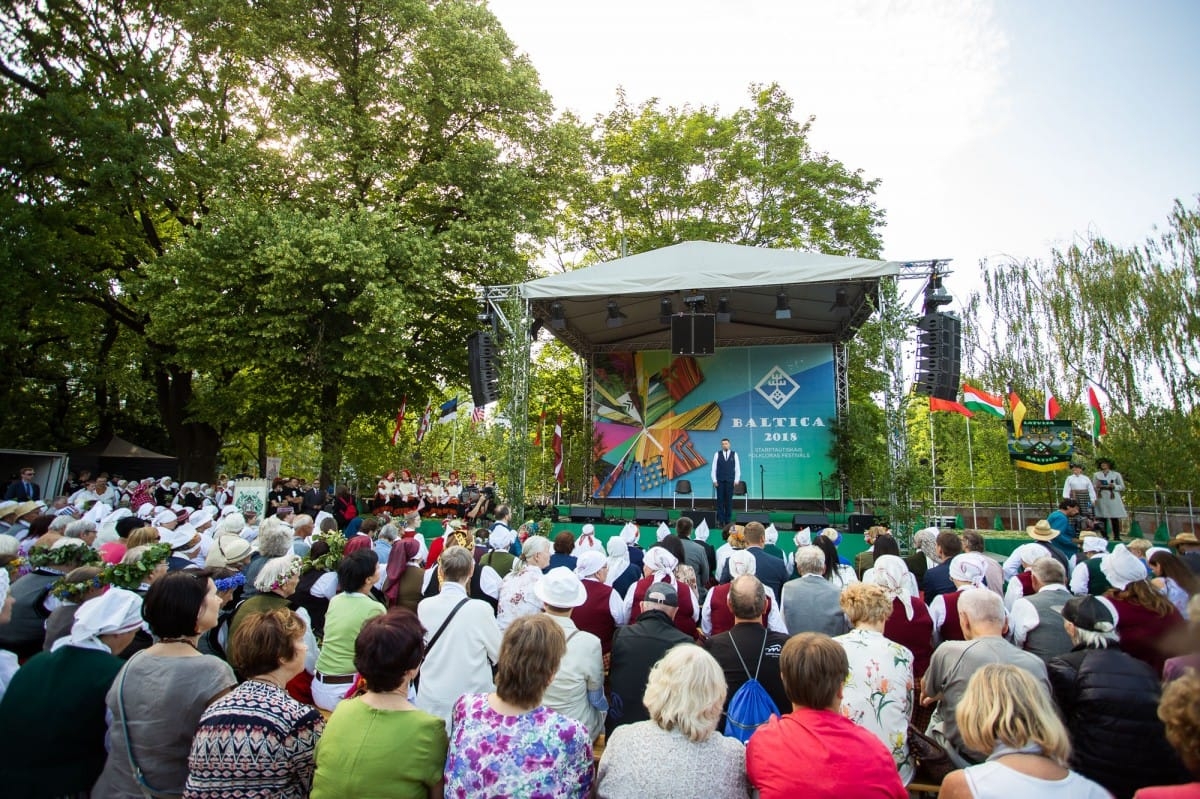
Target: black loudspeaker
{"type": "Point", "coordinates": [762, 518]}
{"type": "Point", "coordinates": [859, 522]}
{"type": "Point", "coordinates": [586, 513]}
{"type": "Point", "coordinates": [698, 516]}
{"type": "Point", "coordinates": [816, 521]}
{"type": "Point", "coordinates": [693, 334]}
{"type": "Point", "coordinates": [650, 515]}
{"type": "Point", "coordinates": [485, 380]}
{"type": "Point", "coordinates": [939, 355]}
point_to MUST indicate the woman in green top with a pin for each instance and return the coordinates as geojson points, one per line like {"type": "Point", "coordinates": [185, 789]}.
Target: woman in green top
{"type": "Point", "coordinates": [347, 613]}
{"type": "Point", "coordinates": [358, 752]}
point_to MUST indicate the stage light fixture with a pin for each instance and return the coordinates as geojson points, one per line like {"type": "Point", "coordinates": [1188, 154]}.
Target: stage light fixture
{"type": "Point", "coordinates": [841, 299]}
{"type": "Point", "coordinates": [935, 295]}
{"type": "Point", "coordinates": [615, 317]}
{"type": "Point", "coordinates": [558, 319]}
{"type": "Point", "coordinates": [783, 307]}
{"type": "Point", "coordinates": [723, 314]}
{"type": "Point", "coordinates": [664, 311]}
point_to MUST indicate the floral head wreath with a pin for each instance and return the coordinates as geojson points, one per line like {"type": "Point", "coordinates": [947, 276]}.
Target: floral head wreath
{"type": "Point", "coordinates": [287, 574]}
{"type": "Point", "coordinates": [82, 555]}
{"type": "Point", "coordinates": [132, 575]}
{"type": "Point", "coordinates": [330, 560]}
{"type": "Point", "coordinates": [230, 583]}
{"type": "Point", "coordinates": [73, 592]}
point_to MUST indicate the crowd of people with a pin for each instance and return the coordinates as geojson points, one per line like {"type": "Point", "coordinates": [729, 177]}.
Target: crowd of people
{"type": "Point", "coordinates": [203, 652]}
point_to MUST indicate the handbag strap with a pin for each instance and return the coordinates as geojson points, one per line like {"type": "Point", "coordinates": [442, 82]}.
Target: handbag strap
{"type": "Point", "coordinates": [147, 789]}
{"type": "Point", "coordinates": [442, 629]}
{"type": "Point", "coordinates": [761, 652]}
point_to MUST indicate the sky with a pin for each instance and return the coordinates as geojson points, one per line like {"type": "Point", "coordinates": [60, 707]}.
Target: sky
{"type": "Point", "coordinates": [997, 129]}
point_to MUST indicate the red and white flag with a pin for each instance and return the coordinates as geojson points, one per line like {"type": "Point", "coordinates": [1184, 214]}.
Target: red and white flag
{"type": "Point", "coordinates": [477, 414]}
{"type": "Point", "coordinates": [399, 421]}
{"type": "Point", "coordinates": [559, 476]}
{"type": "Point", "coordinates": [423, 427]}
{"type": "Point", "coordinates": [1052, 408]}
{"type": "Point", "coordinates": [537, 434]}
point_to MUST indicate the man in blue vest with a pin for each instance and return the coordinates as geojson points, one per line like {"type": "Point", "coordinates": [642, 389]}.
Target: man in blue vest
{"type": "Point", "coordinates": [726, 470]}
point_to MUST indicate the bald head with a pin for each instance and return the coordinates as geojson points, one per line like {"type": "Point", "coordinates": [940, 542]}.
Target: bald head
{"type": "Point", "coordinates": [747, 598]}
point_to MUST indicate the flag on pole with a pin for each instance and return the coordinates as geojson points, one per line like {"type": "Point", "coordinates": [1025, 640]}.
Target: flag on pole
{"type": "Point", "coordinates": [399, 421]}
{"type": "Point", "coordinates": [537, 433]}
{"type": "Point", "coordinates": [1052, 408]}
{"type": "Point", "coordinates": [1018, 411]}
{"type": "Point", "coordinates": [423, 427]}
{"type": "Point", "coordinates": [477, 414]}
{"type": "Point", "coordinates": [448, 411]}
{"type": "Point", "coordinates": [1099, 426]}
{"type": "Point", "coordinates": [559, 476]}
{"type": "Point", "coordinates": [936, 404]}
{"type": "Point", "coordinates": [982, 402]}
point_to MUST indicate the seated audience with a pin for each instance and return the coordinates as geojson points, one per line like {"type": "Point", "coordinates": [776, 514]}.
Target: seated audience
{"type": "Point", "coordinates": [937, 578]}
{"type": "Point", "coordinates": [967, 571]}
{"type": "Point", "coordinates": [878, 694]}
{"type": "Point", "coordinates": [1110, 703]}
{"type": "Point", "coordinates": [811, 603]}
{"type": "Point", "coordinates": [1180, 712]}
{"type": "Point", "coordinates": [1007, 713]}
{"type": "Point", "coordinates": [507, 743]}
{"type": "Point", "coordinates": [715, 615]}
{"type": "Point", "coordinates": [516, 590]}
{"type": "Point", "coordinates": [1150, 627]}
{"type": "Point", "coordinates": [636, 649]}
{"type": "Point", "coordinates": [747, 650]}
{"type": "Point", "coordinates": [909, 623]}
{"type": "Point", "coordinates": [357, 753]}
{"type": "Point", "coordinates": [577, 690]}
{"type": "Point", "coordinates": [257, 740]}
{"type": "Point", "coordinates": [1173, 579]}
{"type": "Point", "coordinates": [814, 751]}
{"type": "Point", "coordinates": [1036, 622]}
{"type": "Point", "coordinates": [677, 753]}
{"type": "Point", "coordinates": [347, 613]}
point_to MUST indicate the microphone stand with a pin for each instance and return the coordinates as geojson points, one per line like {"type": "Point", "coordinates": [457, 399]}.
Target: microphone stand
{"type": "Point", "coordinates": [637, 467]}
{"type": "Point", "coordinates": [824, 508]}
{"type": "Point", "coordinates": [762, 487]}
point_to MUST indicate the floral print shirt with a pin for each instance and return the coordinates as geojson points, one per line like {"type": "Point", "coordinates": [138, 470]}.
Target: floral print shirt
{"type": "Point", "coordinates": [878, 694]}
{"type": "Point", "coordinates": [538, 755]}
{"type": "Point", "coordinates": [517, 598]}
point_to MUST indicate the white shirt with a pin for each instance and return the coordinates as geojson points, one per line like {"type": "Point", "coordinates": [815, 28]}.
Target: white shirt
{"type": "Point", "coordinates": [1081, 578]}
{"type": "Point", "coordinates": [1024, 616]}
{"type": "Point", "coordinates": [460, 662]}
{"type": "Point", "coordinates": [1012, 593]}
{"type": "Point", "coordinates": [1078, 482]}
{"type": "Point", "coordinates": [581, 670]}
{"type": "Point", "coordinates": [737, 465]}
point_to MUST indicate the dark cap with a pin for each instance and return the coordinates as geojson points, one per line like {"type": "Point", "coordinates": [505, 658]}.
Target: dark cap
{"type": "Point", "coordinates": [663, 594]}
{"type": "Point", "coordinates": [1092, 613]}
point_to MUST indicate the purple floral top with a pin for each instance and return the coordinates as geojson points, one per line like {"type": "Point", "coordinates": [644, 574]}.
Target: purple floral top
{"type": "Point", "coordinates": [538, 755]}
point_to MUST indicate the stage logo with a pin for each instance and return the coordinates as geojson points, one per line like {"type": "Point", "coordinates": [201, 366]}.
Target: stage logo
{"type": "Point", "coordinates": [777, 387]}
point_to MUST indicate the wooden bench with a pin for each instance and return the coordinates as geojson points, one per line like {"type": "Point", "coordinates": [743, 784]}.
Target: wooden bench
{"type": "Point", "coordinates": [917, 789]}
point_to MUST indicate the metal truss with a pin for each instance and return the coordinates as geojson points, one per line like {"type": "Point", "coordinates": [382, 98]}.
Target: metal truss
{"type": "Point", "coordinates": [514, 318]}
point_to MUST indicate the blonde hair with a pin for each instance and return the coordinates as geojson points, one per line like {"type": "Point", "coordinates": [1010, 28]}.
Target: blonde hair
{"type": "Point", "coordinates": [1005, 704]}
{"type": "Point", "coordinates": [1179, 710]}
{"type": "Point", "coordinates": [686, 692]}
{"type": "Point", "coordinates": [1139, 547]}
{"type": "Point", "coordinates": [143, 536]}
{"type": "Point", "coordinates": [866, 602]}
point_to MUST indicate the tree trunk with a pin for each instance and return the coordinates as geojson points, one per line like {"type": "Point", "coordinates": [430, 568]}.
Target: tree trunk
{"type": "Point", "coordinates": [333, 432]}
{"type": "Point", "coordinates": [262, 452]}
{"type": "Point", "coordinates": [104, 408]}
{"type": "Point", "coordinates": [196, 443]}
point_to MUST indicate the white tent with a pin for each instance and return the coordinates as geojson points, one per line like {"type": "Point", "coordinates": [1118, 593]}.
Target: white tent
{"type": "Point", "coordinates": [828, 296]}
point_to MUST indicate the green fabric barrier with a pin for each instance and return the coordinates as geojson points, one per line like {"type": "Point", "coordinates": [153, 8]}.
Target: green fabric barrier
{"type": "Point", "coordinates": [1162, 533]}
{"type": "Point", "coordinates": [998, 524]}
{"type": "Point", "coordinates": [1135, 530]}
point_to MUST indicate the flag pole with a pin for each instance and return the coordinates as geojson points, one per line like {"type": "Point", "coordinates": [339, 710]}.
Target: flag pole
{"type": "Point", "coordinates": [454, 442]}
{"type": "Point", "coordinates": [933, 463]}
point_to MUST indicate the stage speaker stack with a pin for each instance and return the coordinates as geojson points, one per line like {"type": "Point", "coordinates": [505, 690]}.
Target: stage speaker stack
{"type": "Point", "coordinates": [586, 513]}
{"type": "Point", "coordinates": [693, 334]}
{"type": "Point", "coordinates": [858, 523]}
{"type": "Point", "coordinates": [485, 378]}
{"type": "Point", "coordinates": [813, 521]}
{"type": "Point", "coordinates": [939, 355]}
{"type": "Point", "coordinates": [653, 516]}
{"type": "Point", "coordinates": [745, 518]}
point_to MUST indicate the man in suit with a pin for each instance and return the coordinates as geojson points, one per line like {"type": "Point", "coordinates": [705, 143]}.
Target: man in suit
{"type": "Point", "coordinates": [24, 489]}
{"type": "Point", "coordinates": [726, 470]}
{"type": "Point", "coordinates": [768, 568]}
{"type": "Point", "coordinates": [313, 501]}
{"type": "Point", "coordinates": [937, 580]}
{"type": "Point", "coordinates": [812, 604]}
{"type": "Point", "coordinates": [695, 554]}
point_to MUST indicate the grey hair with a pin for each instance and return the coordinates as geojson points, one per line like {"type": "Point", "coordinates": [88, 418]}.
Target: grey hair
{"type": "Point", "coordinates": [272, 570]}
{"type": "Point", "coordinates": [79, 528]}
{"type": "Point", "coordinates": [303, 520]}
{"type": "Point", "coordinates": [274, 538]}
{"type": "Point", "coordinates": [982, 605]}
{"type": "Point", "coordinates": [389, 532]}
{"type": "Point", "coordinates": [810, 560]}
{"type": "Point", "coordinates": [456, 564]}
{"type": "Point", "coordinates": [1096, 640]}
{"type": "Point", "coordinates": [1049, 571]}
{"type": "Point", "coordinates": [61, 523]}
{"type": "Point", "coordinates": [534, 545]}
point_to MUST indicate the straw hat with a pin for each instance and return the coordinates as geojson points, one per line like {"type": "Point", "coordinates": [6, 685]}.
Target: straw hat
{"type": "Point", "coordinates": [1042, 531]}
{"type": "Point", "coordinates": [1185, 539]}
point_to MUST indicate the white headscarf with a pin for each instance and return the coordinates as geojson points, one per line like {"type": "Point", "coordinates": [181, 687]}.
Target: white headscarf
{"type": "Point", "coordinates": [113, 612]}
{"type": "Point", "coordinates": [772, 535]}
{"type": "Point", "coordinates": [703, 533]}
{"type": "Point", "coordinates": [663, 531]}
{"type": "Point", "coordinates": [1122, 567]}
{"type": "Point", "coordinates": [618, 558]}
{"type": "Point", "coordinates": [587, 541]}
{"type": "Point", "coordinates": [629, 533]}
{"type": "Point", "coordinates": [803, 538]}
{"type": "Point", "coordinates": [501, 537]}
{"type": "Point", "coordinates": [741, 561]}
{"type": "Point", "coordinates": [889, 572]}
{"type": "Point", "coordinates": [662, 563]}
{"type": "Point", "coordinates": [970, 567]}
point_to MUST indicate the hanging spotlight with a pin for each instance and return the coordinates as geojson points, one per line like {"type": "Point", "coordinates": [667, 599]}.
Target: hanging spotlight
{"type": "Point", "coordinates": [783, 307]}
{"type": "Point", "coordinates": [841, 299]}
{"type": "Point", "coordinates": [723, 314]}
{"type": "Point", "coordinates": [558, 319]}
{"type": "Point", "coordinates": [664, 311]}
{"type": "Point", "coordinates": [615, 317]}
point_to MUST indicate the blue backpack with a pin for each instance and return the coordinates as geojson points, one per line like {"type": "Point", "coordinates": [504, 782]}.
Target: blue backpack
{"type": "Point", "coordinates": [751, 706]}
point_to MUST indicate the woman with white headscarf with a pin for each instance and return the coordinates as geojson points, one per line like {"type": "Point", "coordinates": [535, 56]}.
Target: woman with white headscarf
{"type": "Point", "coordinates": [621, 573]}
{"type": "Point", "coordinates": [715, 615]}
{"type": "Point", "coordinates": [1148, 621]}
{"type": "Point", "coordinates": [516, 590]}
{"type": "Point", "coordinates": [968, 570]}
{"type": "Point", "coordinates": [587, 541]}
{"type": "Point", "coordinates": [632, 535]}
{"type": "Point", "coordinates": [659, 567]}
{"type": "Point", "coordinates": [57, 701]}
{"type": "Point", "coordinates": [910, 624]}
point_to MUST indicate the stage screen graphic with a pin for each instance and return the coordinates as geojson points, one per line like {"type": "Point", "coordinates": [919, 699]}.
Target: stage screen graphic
{"type": "Point", "coordinates": [660, 418]}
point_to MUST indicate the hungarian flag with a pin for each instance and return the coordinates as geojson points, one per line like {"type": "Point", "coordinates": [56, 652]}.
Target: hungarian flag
{"type": "Point", "coordinates": [399, 421]}
{"type": "Point", "coordinates": [423, 427]}
{"type": "Point", "coordinates": [1018, 411]}
{"type": "Point", "coordinates": [936, 404]}
{"type": "Point", "coordinates": [1099, 426]}
{"type": "Point", "coordinates": [537, 434]}
{"type": "Point", "coordinates": [1052, 408]}
{"type": "Point", "coordinates": [983, 402]}
{"type": "Point", "coordinates": [556, 445]}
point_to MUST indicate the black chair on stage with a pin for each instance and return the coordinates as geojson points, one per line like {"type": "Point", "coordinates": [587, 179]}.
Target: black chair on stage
{"type": "Point", "coordinates": [683, 487]}
{"type": "Point", "coordinates": [739, 490]}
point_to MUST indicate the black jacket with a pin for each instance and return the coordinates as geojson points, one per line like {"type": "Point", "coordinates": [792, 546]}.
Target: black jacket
{"type": "Point", "coordinates": [635, 650]}
{"type": "Point", "coordinates": [937, 582]}
{"type": "Point", "coordinates": [1109, 700]}
{"type": "Point", "coordinates": [749, 642]}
